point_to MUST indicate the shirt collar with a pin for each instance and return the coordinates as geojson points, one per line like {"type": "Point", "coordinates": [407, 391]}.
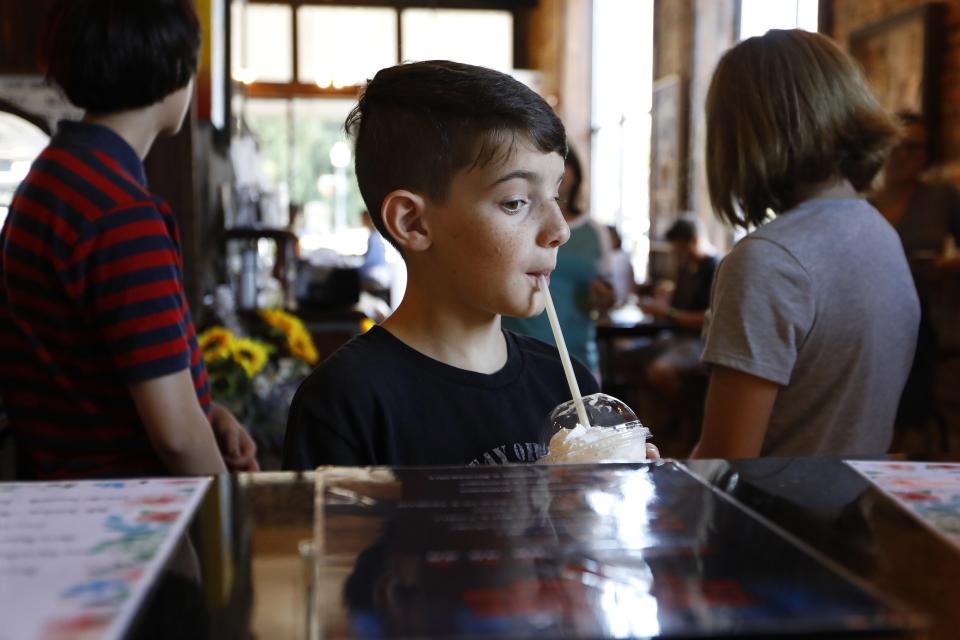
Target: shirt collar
{"type": "Point", "coordinates": [86, 134]}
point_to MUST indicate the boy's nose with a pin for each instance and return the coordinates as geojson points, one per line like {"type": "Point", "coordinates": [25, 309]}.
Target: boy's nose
{"type": "Point", "coordinates": [555, 230]}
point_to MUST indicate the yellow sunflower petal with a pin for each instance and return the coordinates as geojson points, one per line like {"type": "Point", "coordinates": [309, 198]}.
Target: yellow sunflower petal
{"type": "Point", "coordinates": [251, 355]}
{"type": "Point", "coordinates": [215, 343]}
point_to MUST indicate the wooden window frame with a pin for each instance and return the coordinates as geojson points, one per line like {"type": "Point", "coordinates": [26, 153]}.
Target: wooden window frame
{"type": "Point", "coordinates": [297, 89]}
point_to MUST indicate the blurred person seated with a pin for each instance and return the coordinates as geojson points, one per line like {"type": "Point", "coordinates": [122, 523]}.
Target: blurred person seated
{"type": "Point", "coordinates": [924, 210]}
{"type": "Point", "coordinates": [661, 374]}
{"type": "Point", "coordinates": [675, 352]}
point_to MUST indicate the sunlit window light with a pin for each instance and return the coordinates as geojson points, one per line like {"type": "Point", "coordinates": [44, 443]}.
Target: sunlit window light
{"type": "Point", "coordinates": [759, 16]}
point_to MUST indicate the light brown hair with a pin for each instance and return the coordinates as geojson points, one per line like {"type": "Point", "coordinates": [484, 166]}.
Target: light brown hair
{"type": "Point", "coordinates": [787, 110]}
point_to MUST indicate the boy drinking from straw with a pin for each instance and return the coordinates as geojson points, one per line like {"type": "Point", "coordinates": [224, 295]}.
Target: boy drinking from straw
{"type": "Point", "coordinates": [459, 167]}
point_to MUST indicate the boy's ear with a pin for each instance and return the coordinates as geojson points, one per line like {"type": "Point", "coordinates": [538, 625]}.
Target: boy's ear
{"type": "Point", "coordinates": [402, 214]}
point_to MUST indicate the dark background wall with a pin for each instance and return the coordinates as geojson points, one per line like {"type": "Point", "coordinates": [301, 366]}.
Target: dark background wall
{"type": "Point", "coordinates": [850, 15]}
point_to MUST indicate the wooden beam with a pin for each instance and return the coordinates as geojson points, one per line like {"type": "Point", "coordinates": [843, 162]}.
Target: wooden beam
{"type": "Point", "coordinates": [503, 5]}
{"type": "Point", "coordinates": [294, 90]}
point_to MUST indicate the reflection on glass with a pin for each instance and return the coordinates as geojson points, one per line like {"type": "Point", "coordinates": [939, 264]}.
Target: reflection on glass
{"type": "Point", "coordinates": [568, 551]}
{"type": "Point", "coordinates": [262, 43]}
{"type": "Point", "coordinates": [626, 599]}
{"type": "Point", "coordinates": [482, 38]}
{"type": "Point", "coordinates": [632, 511]}
{"type": "Point", "coordinates": [330, 52]}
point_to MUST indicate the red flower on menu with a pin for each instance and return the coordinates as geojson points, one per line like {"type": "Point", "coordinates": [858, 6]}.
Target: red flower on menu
{"type": "Point", "coordinates": [163, 499]}
{"type": "Point", "coordinates": [158, 516]}
{"type": "Point", "coordinates": [914, 496]}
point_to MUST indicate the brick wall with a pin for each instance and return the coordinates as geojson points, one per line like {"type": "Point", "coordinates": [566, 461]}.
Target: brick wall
{"type": "Point", "coordinates": [850, 15]}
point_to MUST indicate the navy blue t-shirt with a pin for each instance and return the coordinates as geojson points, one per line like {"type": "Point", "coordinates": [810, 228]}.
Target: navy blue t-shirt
{"type": "Point", "coordinates": [377, 401]}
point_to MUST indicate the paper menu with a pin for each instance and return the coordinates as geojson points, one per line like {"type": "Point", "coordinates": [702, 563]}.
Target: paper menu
{"type": "Point", "coordinates": [77, 558]}
{"type": "Point", "coordinates": [930, 491]}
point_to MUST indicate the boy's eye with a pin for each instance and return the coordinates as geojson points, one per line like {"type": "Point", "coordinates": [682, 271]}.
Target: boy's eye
{"type": "Point", "coordinates": [514, 205]}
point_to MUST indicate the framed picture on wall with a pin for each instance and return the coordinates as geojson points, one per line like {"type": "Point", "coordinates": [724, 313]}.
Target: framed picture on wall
{"type": "Point", "coordinates": [668, 152]}
{"type": "Point", "coordinates": [900, 56]}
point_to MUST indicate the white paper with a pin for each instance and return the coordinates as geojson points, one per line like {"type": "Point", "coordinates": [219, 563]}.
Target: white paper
{"type": "Point", "coordinates": [77, 558]}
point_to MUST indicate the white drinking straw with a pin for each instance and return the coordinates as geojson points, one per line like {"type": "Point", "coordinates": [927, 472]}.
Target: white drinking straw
{"type": "Point", "coordinates": [564, 355]}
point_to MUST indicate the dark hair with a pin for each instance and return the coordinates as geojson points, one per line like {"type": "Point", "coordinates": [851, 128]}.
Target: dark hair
{"type": "Point", "coordinates": [785, 110]}
{"type": "Point", "coordinates": [682, 230]}
{"type": "Point", "coordinates": [114, 55]}
{"type": "Point", "coordinates": [417, 124]}
{"type": "Point", "coordinates": [572, 205]}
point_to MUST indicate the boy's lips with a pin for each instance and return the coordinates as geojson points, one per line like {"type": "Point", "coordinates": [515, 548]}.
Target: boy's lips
{"type": "Point", "coordinates": [536, 275]}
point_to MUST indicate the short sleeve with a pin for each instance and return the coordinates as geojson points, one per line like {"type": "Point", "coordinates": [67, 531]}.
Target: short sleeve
{"type": "Point", "coordinates": [762, 311]}
{"type": "Point", "coordinates": [126, 273]}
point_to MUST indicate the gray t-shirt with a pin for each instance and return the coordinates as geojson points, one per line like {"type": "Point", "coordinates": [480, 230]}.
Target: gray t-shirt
{"type": "Point", "coordinates": [820, 301]}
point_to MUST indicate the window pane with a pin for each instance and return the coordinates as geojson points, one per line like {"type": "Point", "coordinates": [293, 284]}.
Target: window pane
{"type": "Point", "coordinates": [757, 16]}
{"type": "Point", "coordinates": [20, 143]}
{"type": "Point", "coordinates": [483, 38]}
{"type": "Point", "coordinates": [621, 122]}
{"type": "Point", "coordinates": [262, 49]}
{"type": "Point", "coordinates": [299, 157]}
{"type": "Point", "coordinates": [329, 193]}
{"type": "Point", "coordinates": [269, 120]}
{"type": "Point", "coordinates": [331, 52]}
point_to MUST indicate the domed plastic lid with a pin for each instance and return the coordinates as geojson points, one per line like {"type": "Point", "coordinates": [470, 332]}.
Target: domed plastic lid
{"type": "Point", "coordinates": [614, 435]}
{"type": "Point", "coordinates": [602, 410]}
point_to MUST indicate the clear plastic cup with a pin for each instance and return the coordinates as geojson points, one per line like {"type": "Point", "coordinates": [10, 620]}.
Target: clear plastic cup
{"type": "Point", "coordinates": [615, 433]}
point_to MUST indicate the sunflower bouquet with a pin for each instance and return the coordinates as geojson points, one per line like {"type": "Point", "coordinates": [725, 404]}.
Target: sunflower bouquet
{"type": "Point", "coordinates": [233, 362]}
{"type": "Point", "coordinates": [256, 375]}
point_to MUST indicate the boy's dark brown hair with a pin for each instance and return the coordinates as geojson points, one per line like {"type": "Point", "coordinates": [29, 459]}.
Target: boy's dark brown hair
{"type": "Point", "coordinates": [417, 124]}
{"type": "Point", "coordinates": [115, 55]}
{"type": "Point", "coordinates": [786, 110]}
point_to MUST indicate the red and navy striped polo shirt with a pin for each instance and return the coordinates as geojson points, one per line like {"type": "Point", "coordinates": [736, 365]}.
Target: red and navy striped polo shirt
{"type": "Point", "coordinates": [91, 301]}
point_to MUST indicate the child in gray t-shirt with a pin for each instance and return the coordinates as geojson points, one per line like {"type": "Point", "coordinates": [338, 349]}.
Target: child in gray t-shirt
{"type": "Point", "coordinates": [814, 314]}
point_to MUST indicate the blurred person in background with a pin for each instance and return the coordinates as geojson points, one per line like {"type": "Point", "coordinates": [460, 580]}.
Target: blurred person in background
{"type": "Point", "coordinates": [925, 211]}
{"type": "Point", "coordinates": [621, 268]}
{"type": "Point", "coordinates": [676, 351]}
